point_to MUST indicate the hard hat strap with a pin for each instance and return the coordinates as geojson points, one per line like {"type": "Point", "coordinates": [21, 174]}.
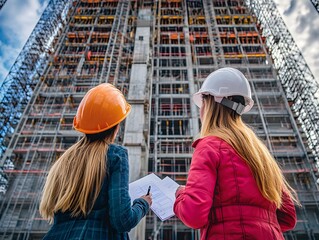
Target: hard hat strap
{"type": "Point", "coordinates": [237, 107]}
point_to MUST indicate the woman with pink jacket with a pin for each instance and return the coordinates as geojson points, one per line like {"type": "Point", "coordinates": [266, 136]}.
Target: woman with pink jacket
{"type": "Point", "coordinates": [235, 189]}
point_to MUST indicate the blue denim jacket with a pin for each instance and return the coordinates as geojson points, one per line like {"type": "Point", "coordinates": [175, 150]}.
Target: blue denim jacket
{"type": "Point", "coordinates": [112, 216]}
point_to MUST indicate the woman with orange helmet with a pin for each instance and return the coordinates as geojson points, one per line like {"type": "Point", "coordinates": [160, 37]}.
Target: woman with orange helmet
{"type": "Point", "coordinates": [235, 188]}
{"type": "Point", "coordinates": [86, 192]}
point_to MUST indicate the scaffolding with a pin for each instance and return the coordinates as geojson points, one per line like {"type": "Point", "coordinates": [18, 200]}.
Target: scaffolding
{"type": "Point", "coordinates": [157, 53]}
{"type": "Point", "coordinates": [2, 2]}
{"type": "Point", "coordinates": [218, 34]}
{"type": "Point", "coordinates": [18, 86]}
{"type": "Point", "coordinates": [75, 46]}
{"type": "Point", "coordinates": [301, 90]}
{"type": "Point", "coordinates": [315, 3]}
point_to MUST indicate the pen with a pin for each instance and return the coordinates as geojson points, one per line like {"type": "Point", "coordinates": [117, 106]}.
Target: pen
{"type": "Point", "coordinates": [148, 191]}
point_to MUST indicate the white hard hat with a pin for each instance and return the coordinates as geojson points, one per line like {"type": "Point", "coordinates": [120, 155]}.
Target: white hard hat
{"type": "Point", "coordinates": [223, 83]}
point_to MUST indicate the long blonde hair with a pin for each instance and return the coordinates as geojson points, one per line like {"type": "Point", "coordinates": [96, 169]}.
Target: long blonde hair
{"type": "Point", "coordinates": [226, 124]}
{"type": "Point", "coordinates": [75, 179]}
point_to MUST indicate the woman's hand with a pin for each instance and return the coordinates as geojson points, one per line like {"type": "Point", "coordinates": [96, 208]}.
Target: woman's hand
{"type": "Point", "coordinates": [148, 198]}
{"type": "Point", "coordinates": [180, 188]}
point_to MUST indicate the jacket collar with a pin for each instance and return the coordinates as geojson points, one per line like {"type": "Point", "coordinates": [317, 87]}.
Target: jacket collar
{"type": "Point", "coordinates": [195, 143]}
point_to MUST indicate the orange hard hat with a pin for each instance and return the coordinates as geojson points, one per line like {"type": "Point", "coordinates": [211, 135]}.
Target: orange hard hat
{"type": "Point", "coordinates": [101, 108]}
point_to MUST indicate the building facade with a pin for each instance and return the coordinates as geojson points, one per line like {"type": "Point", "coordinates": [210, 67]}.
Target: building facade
{"type": "Point", "coordinates": [157, 53]}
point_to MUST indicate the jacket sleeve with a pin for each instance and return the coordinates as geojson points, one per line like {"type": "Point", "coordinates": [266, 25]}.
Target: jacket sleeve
{"type": "Point", "coordinates": [286, 214]}
{"type": "Point", "coordinates": [193, 203]}
{"type": "Point", "coordinates": [123, 215]}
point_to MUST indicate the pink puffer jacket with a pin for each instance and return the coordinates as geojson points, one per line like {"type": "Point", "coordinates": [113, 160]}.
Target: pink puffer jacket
{"type": "Point", "coordinates": [221, 197]}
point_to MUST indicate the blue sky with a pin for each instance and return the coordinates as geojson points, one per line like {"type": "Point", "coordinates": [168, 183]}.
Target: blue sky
{"type": "Point", "coordinates": [18, 18]}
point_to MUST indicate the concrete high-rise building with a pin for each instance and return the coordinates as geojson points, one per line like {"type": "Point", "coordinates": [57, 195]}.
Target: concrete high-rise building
{"type": "Point", "coordinates": [157, 53]}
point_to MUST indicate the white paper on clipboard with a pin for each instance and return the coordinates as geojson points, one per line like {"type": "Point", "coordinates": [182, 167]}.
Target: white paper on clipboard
{"type": "Point", "coordinates": [163, 194]}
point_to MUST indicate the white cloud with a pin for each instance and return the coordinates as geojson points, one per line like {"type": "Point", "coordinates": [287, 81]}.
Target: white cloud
{"type": "Point", "coordinates": [302, 21]}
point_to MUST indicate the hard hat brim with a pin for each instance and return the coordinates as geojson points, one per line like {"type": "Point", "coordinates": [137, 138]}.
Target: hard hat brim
{"type": "Point", "coordinates": [197, 98]}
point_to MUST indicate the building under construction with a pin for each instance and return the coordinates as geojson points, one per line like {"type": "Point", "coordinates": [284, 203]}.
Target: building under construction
{"type": "Point", "coordinates": [157, 53]}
